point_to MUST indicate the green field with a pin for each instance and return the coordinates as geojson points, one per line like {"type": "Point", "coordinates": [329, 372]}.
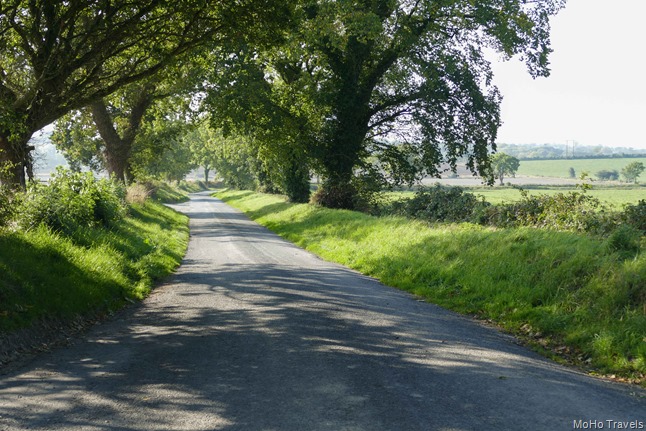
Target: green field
{"type": "Point", "coordinates": [560, 168]}
{"type": "Point", "coordinates": [613, 197]}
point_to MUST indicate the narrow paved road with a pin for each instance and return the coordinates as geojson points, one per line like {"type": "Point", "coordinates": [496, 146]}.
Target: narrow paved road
{"type": "Point", "coordinates": [253, 333]}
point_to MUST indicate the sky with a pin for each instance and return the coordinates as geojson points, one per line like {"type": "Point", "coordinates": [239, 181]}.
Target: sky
{"type": "Point", "coordinates": [596, 93]}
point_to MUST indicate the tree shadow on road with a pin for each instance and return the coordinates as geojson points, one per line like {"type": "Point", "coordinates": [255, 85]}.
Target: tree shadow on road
{"type": "Point", "coordinates": [262, 347]}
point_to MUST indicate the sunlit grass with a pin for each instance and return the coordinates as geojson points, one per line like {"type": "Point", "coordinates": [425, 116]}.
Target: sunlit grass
{"type": "Point", "coordinates": [48, 275]}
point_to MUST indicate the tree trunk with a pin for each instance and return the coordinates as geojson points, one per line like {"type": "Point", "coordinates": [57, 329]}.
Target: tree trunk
{"type": "Point", "coordinates": [15, 161]}
{"type": "Point", "coordinates": [206, 174]}
{"type": "Point", "coordinates": [297, 180]}
{"type": "Point", "coordinates": [118, 149]}
{"type": "Point", "coordinates": [342, 156]}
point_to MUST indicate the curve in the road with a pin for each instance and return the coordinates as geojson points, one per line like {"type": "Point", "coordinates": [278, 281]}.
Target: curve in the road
{"type": "Point", "coordinates": [253, 333]}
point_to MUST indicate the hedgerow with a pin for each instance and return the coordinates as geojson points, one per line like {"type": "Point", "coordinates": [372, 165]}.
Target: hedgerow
{"type": "Point", "coordinates": [574, 211]}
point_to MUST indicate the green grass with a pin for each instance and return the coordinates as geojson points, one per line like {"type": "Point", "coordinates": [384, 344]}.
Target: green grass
{"type": "Point", "coordinates": [560, 168]}
{"type": "Point", "coordinates": [48, 275]}
{"type": "Point", "coordinates": [566, 294]}
{"type": "Point", "coordinates": [175, 193]}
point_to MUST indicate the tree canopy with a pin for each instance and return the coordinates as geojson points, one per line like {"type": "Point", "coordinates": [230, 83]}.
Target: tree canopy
{"type": "Point", "coordinates": [64, 55]}
{"type": "Point", "coordinates": [391, 88]}
{"type": "Point", "coordinates": [632, 171]}
{"type": "Point", "coordinates": [360, 92]}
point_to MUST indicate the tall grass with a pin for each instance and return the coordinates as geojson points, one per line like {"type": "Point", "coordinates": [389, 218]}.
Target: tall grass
{"type": "Point", "coordinates": [567, 294]}
{"type": "Point", "coordinates": [47, 274]}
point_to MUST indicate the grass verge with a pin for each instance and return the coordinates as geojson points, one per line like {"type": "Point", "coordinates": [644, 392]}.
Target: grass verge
{"type": "Point", "coordinates": [167, 193]}
{"type": "Point", "coordinates": [567, 295]}
{"type": "Point", "coordinates": [46, 275]}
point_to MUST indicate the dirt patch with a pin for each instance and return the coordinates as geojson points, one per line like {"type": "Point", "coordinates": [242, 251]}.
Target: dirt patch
{"type": "Point", "coordinates": [20, 346]}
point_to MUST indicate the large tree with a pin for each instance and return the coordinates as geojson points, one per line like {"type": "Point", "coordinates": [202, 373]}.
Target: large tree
{"type": "Point", "coordinates": [105, 133]}
{"type": "Point", "coordinates": [405, 83]}
{"type": "Point", "coordinates": [63, 55]}
{"type": "Point", "coordinates": [254, 96]}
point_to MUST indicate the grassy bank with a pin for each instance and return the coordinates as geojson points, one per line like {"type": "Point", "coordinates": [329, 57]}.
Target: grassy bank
{"type": "Point", "coordinates": [566, 294]}
{"type": "Point", "coordinates": [47, 275]}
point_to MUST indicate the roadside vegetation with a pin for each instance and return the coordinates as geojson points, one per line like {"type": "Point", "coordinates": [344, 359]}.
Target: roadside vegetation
{"type": "Point", "coordinates": [82, 247]}
{"type": "Point", "coordinates": [614, 197]}
{"type": "Point", "coordinates": [577, 297]}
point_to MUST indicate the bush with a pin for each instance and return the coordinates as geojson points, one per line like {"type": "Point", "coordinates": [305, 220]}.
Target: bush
{"type": "Point", "coordinates": [625, 238]}
{"type": "Point", "coordinates": [604, 175]}
{"type": "Point", "coordinates": [335, 197]}
{"type": "Point", "coordinates": [635, 215]}
{"type": "Point", "coordinates": [572, 172]}
{"type": "Point", "coordinates": [573, 211]}
{"type": "Point", "coordinates": [442, 204]}
{"type": "Point", "coordinates": [72, 200]}
{"type": "Point", "coordinates": [138, 193]}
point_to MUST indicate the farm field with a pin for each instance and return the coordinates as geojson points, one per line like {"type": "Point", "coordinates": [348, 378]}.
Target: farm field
{"type": "Point", "coordinates": [560, 168]}
{"type": "Point", "coordinates": [614, 197]}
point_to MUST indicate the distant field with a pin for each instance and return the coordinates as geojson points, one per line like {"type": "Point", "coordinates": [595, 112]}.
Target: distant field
{"type": "Point", "coordinates": [615, 197]}
{"type": "Point", "coordinates": [560, 168]}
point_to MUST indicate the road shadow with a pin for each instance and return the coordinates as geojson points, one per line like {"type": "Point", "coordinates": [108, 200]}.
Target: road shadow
{"type": "Point", "coordinates": [264, 357]}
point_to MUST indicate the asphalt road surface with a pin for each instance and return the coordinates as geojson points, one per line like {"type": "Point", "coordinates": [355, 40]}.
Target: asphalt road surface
{"type": "Point", "coordinates": [253, 333]}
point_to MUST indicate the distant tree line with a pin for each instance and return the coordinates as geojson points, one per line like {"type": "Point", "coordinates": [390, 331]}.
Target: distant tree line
{"type": "Point", "coordinates": [553, 151]}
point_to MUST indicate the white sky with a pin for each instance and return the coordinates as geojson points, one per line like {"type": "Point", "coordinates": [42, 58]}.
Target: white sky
{"type": "Point", "coordinates": [596, 93]}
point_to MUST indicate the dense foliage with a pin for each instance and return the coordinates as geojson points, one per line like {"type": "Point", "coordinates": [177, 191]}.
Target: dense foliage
{"type": "Point", "coordinates": [574, 211]}
{"type": "Point", "coordinates": [391, 86]}
{"type": "Point", "coordinates": [441, 204]}
{"type": "Point", "coordinates": [59, 56]}
{"type": "Point", "coordinates": [71, 201]}
{"type": "Point", "coordinates": [607, 175]}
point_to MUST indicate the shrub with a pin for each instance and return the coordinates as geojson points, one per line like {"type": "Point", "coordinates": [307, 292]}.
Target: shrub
{"type": "Point", "coordinates": [138, 193]}
{"type": "Point", "coordinates": [442, 204]}
{"type": "Point", "coordinates": [335, 197]}
{"type": "Point", "coordinates": [572, 172]}
{"type": "Point", "coordinates": [635, 215]}
{"type": "Point", "coordinates": [572, 211]}
{"type": "Point", "coordinates": [625, 238]}
{"type": "Point", "coordinates": [7, 205]}
{"type": "Point", "coordinates": [605, 175]}
{"type": "Point", "coordinates": [72, 200]}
